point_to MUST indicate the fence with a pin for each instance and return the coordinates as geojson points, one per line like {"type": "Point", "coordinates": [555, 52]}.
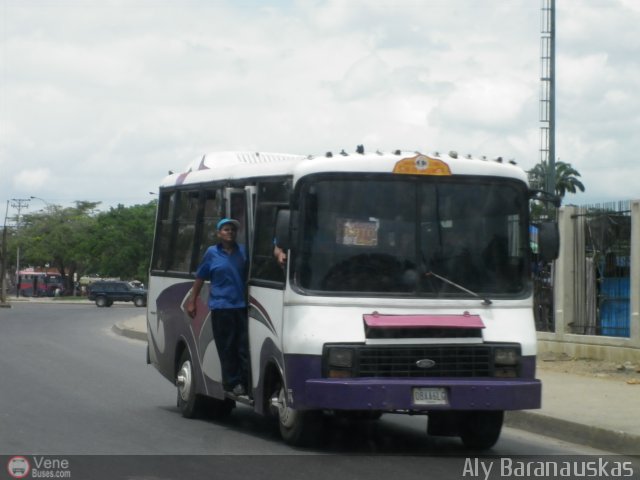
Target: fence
{"type": "Point", "coordinates": [591, 307]}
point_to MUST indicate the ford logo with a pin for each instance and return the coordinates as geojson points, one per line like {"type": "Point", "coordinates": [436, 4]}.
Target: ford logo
{"type": "Point", "coordinates": [425, 363]}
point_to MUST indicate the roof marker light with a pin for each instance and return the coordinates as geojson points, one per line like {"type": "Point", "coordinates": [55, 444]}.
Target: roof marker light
{"type": "Point", "coordinates": [453, 154]}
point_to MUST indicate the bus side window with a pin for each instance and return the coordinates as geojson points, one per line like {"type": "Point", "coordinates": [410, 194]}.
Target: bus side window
{"type": "Point", "coordinates": [211, 215]}
{"type": "Point", "coordinates": [185, 231]}
{"type": "Point", "coordinates": [162, 247]}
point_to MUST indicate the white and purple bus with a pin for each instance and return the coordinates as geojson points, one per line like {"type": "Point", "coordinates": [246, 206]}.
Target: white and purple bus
{"type": "Point", "coordinates": [407, 288]}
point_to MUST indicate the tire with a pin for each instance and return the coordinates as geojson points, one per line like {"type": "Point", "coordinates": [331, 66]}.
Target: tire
{"type": "Point", "coordinates": [480, 430]}
{"type": "Point", "coordinates": [139, 302]}
{"type": "Point", "coordinates": [298, 428]}
{"type": "Point", "coordinates": [189, 403]}
{"type": "Point", "coordinates": [102, 301]}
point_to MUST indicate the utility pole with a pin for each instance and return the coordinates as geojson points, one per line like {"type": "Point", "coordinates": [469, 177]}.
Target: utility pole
{"type": "Point", "coordinates": [3, 266]}
{"type": "Point", "coordinates": [18, 203]}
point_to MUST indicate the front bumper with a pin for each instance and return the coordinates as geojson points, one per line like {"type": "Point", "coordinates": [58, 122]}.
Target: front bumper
{"type": "Point", "coordinates": [396, 394]}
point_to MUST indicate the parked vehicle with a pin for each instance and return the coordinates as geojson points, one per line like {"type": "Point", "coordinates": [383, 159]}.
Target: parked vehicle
{"type": "Point", "coordinates": [104, 293]}
{"type": "Point", "coordinates": [407, 289]}
{"type": "Point", "coordinates": [45, 283]}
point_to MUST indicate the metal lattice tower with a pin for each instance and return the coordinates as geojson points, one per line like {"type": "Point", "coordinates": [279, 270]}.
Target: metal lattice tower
{"type": "Point", "coordinates": [547, 92]}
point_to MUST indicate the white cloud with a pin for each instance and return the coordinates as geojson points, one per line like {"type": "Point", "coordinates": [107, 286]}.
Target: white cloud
{"type": "Point", "coordinates": [32, 180]}
{"type": "Point", "coordinates": [484, 103]}
{"type": "Point", "coordinates": [367, 78]}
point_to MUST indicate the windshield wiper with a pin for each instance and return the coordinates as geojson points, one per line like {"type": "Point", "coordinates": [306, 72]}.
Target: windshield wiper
{"type": "Point", "coordinates": [485, 300]}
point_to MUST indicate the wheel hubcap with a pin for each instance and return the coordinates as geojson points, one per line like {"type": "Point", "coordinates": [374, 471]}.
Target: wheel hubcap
{"type": "Point", "coordinates": [286, 414]}
{"type": "Point", "coordinates": [183, 381]}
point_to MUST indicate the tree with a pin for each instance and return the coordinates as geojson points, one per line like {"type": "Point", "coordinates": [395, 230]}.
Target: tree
{"type": "Point", "coordinates": [566, 178]}
{"type": "Point", "coordinates": [78, 239]}
{"type": "Point", "coordinates": [566, 182]}
{"type": "Point", "coordinates": [57, 237]}
{"type": "Point", "coordinates": [121, 241]}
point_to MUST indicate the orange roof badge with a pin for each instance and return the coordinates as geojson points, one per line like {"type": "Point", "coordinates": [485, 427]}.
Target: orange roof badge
{"type": "Point", "coordinates": [421, 165]}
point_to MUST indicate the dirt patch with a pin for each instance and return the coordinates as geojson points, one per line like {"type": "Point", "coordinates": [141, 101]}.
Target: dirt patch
{"type": "Point", "coordinates": [626, 372]}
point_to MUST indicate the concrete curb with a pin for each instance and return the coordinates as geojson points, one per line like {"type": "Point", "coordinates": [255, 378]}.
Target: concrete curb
{"type": "Point", "coordinates": [125, 331]}
{"type": "Point", "coordinates": [48, 300]}
{"type": "Point", "coordinates": [596, 437]}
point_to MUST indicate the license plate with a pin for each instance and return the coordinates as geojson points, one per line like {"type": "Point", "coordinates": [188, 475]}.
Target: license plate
{"type": "Point", "coordinates": [430, 396]}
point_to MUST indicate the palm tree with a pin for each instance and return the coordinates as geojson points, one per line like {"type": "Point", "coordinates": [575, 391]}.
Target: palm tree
{"type": "Point", "coordinates": [566, 178]}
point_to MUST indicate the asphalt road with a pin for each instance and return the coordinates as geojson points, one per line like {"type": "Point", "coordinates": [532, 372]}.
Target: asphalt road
{"type": "Point", "coordinates": [71, 388]}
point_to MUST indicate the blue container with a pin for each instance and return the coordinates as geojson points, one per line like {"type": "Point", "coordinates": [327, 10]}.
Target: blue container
{"type": "Point", "coordinates": [614, 307]}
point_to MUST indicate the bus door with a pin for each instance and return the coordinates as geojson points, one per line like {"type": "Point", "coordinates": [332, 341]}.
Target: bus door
{"type": "Point", "coordinates": [240, 205]}
{"type": "Point", "coordinates": [266, 283]}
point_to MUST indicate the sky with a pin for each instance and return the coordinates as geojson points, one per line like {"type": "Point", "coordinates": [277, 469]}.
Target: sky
{"type": "Point", "coordinates": [99, 99]}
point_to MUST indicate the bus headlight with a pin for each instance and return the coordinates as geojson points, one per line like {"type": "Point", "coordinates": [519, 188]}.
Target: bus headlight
{"type": "Point", "coordinates": [339, 362]}
{"type": "Point", "coordinates": [505, 356]}
{"type": "Point", "coordinates": [505, 362]}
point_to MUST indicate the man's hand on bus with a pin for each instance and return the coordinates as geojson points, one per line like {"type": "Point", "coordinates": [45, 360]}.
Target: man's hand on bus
{"type": "Point", "coordinates": [280, 255]}
{"type": "Point", "coordinates": [191, 307]}
{"type": "Point", "coordinates": [193, 297]}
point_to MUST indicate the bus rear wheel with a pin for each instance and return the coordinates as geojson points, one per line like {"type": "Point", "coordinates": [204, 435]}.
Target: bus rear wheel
{"type": "Point", "coordinates": [480, 430]}
{"type": "Point", "coordinates": [299, 428]}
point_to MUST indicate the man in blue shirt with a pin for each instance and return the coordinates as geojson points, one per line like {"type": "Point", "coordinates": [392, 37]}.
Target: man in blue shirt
{"type": "Point", "coordinates": [225, 266]}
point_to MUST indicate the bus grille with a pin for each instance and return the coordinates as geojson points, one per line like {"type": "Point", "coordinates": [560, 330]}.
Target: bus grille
{"type": "Point", "coordinates": [449, 361]}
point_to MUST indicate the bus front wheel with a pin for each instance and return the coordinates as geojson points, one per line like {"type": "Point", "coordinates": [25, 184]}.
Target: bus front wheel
{"type": "Point", "coordinates": [297, 427]}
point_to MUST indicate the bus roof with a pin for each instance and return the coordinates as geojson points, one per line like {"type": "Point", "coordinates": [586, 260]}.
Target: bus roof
{"type": "Point", "coordinates": [237, 165]}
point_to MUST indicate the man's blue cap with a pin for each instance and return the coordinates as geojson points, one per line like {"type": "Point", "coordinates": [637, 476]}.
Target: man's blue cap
{"type": "Point", "coordinates": [224, 221]}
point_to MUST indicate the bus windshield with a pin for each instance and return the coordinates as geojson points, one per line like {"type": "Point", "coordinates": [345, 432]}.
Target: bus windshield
{"type": "Point", "coordinates": [412, 236]}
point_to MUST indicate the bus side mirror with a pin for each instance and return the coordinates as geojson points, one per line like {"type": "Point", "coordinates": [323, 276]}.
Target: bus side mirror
{"type": "Point", "coordinates": [548, 241]}
{"type": "Point", "coordinates": [283, 234]}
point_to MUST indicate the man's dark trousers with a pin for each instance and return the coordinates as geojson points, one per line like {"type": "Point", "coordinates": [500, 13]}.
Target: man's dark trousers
{"type": "Point", "coordinates": [230, 335]}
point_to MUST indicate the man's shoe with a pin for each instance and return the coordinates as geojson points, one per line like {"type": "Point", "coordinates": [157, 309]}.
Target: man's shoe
{"type": "Point", "coordinates": [239, 390]}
